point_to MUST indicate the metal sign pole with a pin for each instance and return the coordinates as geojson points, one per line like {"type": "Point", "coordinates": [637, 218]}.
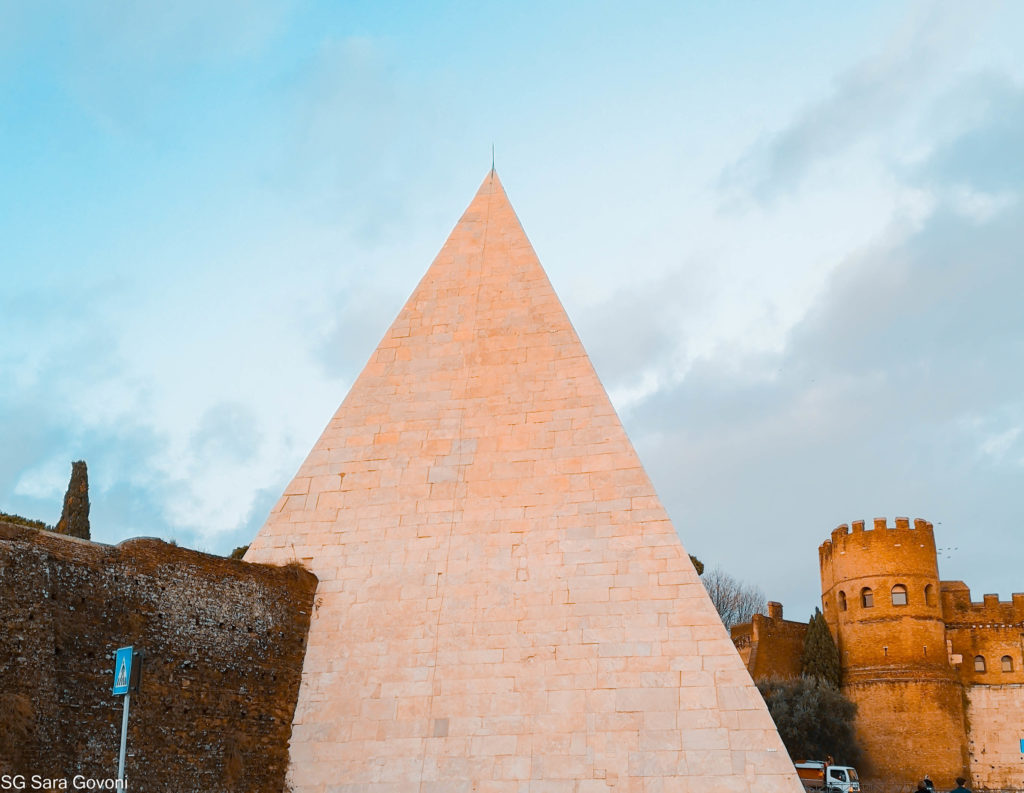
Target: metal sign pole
{"type": "Point", "coordinates": [124, 737]}
{"type": "Point", "coordinates": [127, 673]}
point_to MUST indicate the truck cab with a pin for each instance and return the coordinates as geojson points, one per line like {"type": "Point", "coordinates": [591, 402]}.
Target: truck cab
{"type": "Point", "coordinates": [817, 775]}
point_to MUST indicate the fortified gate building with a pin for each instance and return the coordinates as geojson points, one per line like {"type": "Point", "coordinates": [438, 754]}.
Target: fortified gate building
{"type": "Point", "coordinates": [938, 678]}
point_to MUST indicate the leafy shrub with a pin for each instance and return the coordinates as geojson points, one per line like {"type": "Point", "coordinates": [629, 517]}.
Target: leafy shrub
{"type": "Point", "coordinates": [813, 717]}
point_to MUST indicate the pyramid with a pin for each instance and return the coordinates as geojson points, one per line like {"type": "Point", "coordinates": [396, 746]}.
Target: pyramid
{"type": "Point", "coordinates": [503, 605]}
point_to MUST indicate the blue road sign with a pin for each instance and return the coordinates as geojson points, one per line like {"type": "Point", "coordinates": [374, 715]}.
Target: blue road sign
{"type": "Point", "coordinates": [122, 670]}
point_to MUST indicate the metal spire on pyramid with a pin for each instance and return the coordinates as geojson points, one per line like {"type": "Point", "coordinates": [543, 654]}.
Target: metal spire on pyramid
{"type": "Point", "coordinates": [503, 604]}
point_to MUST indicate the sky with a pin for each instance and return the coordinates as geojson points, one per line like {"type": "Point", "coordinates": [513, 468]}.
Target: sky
{"type": "Point", "coordinates": [789, 235]}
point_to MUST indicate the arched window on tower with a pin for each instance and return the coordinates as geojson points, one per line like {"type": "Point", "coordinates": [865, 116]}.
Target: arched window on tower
{"type": "Point", "coordinates": [1007, 663]}
{"type": "Point", "coordinates": [867, 598]}
{"type": "Point", "coordinates": [899, 595]}
{"type": "Point", "coordinates": [842, 600]}
{"type": "Point", "coordinates": [979, 663]}
{"type": "Point", "coordinates": [929, 595]}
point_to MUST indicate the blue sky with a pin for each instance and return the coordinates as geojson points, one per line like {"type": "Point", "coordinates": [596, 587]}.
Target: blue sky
{"type": "Point", "coordinates": [790, 237]}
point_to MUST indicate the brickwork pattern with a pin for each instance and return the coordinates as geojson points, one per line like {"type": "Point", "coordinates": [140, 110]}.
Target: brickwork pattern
{"type": "Point", "coordinates": [910, 718]}
{"type": "Point", "coordinates": [223, 642]}
{"type": "Point", "coordinates": [770, 646]}
{"type": "Point", "coordinates": [914, 664]}
{"type": "Point", "coordinates": [992, 629]}
{"type": "Point", "coordinates": [505, 604]}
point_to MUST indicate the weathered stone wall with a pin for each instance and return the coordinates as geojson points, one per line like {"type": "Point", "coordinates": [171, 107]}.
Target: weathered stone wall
{"type": "Point", "coordinates": [224, 642]}
{"type": "Point", "coordinates": [992, 629]}
{"type": "Point", "coordinates": [996, 716]}
{"type": "Point", "coordinates": [770, 647]}
{"type": "Point", "coordinates": [923, 707]}
{"type": "Point", "coordinates": [909, 727]}
{"type": "Point", "coordinates": [910, 717]}
{"type": "Point", "coordinates": [877, 561]}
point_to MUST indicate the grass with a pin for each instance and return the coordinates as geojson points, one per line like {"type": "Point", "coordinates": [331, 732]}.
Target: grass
{"type": "Point", "coordinates": [26, 522]}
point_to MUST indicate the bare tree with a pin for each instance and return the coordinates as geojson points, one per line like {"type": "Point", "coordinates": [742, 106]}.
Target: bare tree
{"type": "Point", "coordinates": [736, 602]}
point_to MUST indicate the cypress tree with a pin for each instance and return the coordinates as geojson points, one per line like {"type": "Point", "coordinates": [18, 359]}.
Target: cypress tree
{"type": "Point", "coordinates": [74, 519]}
{"type": "Point", "coordinates": [821, 657]}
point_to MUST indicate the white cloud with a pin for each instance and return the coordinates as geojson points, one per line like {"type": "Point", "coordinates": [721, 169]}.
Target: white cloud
{"type": "Point", "coordinates": [977, 205]}
{"type": "Point", "coordinates": [48, 480]}
{"type": "Point", "coordinates": [998, 445]}
{"type": "Point", "coordinates": [875, 101]}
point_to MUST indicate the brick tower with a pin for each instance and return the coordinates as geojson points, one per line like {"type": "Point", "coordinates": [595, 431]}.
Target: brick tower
{"type": "Point", "coordinates": [503, 603]}
{"type": "Point", "coordinates": [880, 596]}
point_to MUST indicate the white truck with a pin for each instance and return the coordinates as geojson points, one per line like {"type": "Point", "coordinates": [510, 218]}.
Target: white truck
{"type": "Point", "coordinates": [818, 775]}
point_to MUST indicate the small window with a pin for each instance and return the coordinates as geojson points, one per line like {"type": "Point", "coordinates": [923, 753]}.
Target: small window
{"type": "Point", "coordinates": [867, 598]}
{"type": "Point", "coordinates": [899, 595]}
{"type": "Point", "coordinates": [838, 774]}
{"type": "Point", "coordinates": [929, 595]}
{"type": "Point", "coordinates": [842, 600]}
{"type": "Point", "coordinates": [1007, 663]}
{"type": "Point", "coordinates": [979, 663]}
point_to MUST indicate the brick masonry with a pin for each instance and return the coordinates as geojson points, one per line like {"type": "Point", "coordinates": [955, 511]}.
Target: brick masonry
{"type": "Point", "coordinates": [223, 642]}
{"type": "Point", "coordinates": [506, 607]}
{"type": "Point", "coordinates": [769, 645]}
{"type": "Point", "coordinates": [950, 667]}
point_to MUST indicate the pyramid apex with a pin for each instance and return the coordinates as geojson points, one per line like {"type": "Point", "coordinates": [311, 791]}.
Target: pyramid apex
{"type": "Point", "coordinates": [489, 209]}
{"type": "Point", "coordinates": [485, 537]}
{"type": "Point", "coordinates": [491, 183]}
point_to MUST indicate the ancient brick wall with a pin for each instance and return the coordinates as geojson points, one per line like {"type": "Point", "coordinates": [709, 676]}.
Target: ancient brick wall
{"type": "Point", "coordinates": [224, 643]}
{"type": "Point", "coordinates": [910, 663]}
{"type": "Point", "coordinates": [909, 728]}
{"type": "Point", "coordinates": [991, 629]}
{"type": "Point", "coordinates": [996, 718]}
{"type": "Point", "coordinates": [860, 569]}
{"type": "Point", "coordinates": [770, 646]}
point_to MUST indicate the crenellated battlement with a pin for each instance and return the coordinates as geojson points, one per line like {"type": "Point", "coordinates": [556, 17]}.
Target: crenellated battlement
{"type": "Point", "coordinates": [959, 606]}
{"type": "Point", "coordinates": [918, 650]}
{"type": "Point", "coordinates": [855, 531]}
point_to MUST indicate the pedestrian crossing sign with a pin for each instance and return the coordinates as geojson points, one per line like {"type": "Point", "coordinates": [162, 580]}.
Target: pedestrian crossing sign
{"type": "Point", "coordinates": [122, 670]}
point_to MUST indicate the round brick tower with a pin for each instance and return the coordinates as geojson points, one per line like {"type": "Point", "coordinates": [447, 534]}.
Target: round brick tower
{"type": "Point", "coordinates": [880, 596]}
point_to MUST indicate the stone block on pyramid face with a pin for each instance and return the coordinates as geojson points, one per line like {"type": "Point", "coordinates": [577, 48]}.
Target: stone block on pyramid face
{"type": "Point", "coordinates": [298, 486]}
{"type": "Point", "coordinates": [705, 739]}
{"type": "Point", "coordinates": [700, 719]}
{"type": "Point", "coordinates": [683, 653]}
{"type": "Point", "coordinates": [333, 500]}
{"type": "Point", "coordinates": [712, 762]}
{"type": "Point", "coordinates": [513, 768]}
{"type": "Point", "coordinates": [359, 440]}
{"type": "Point", "coordinates": [341, 454]}
{"type": "Point", "coordinates": [656, 764]}
{"type": "Point", "coordinates": [744, 740]}
{"type": "Point", "coordinates": [631, 678]}
{"type": "Point", "coordinates": [738, 677]}
{"type": "Point", "coordinates": [646, 699]}
{"type": "Point", "coordinates": [539, 785]}
{"type": "Point", "coordinates": [696, 690]}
